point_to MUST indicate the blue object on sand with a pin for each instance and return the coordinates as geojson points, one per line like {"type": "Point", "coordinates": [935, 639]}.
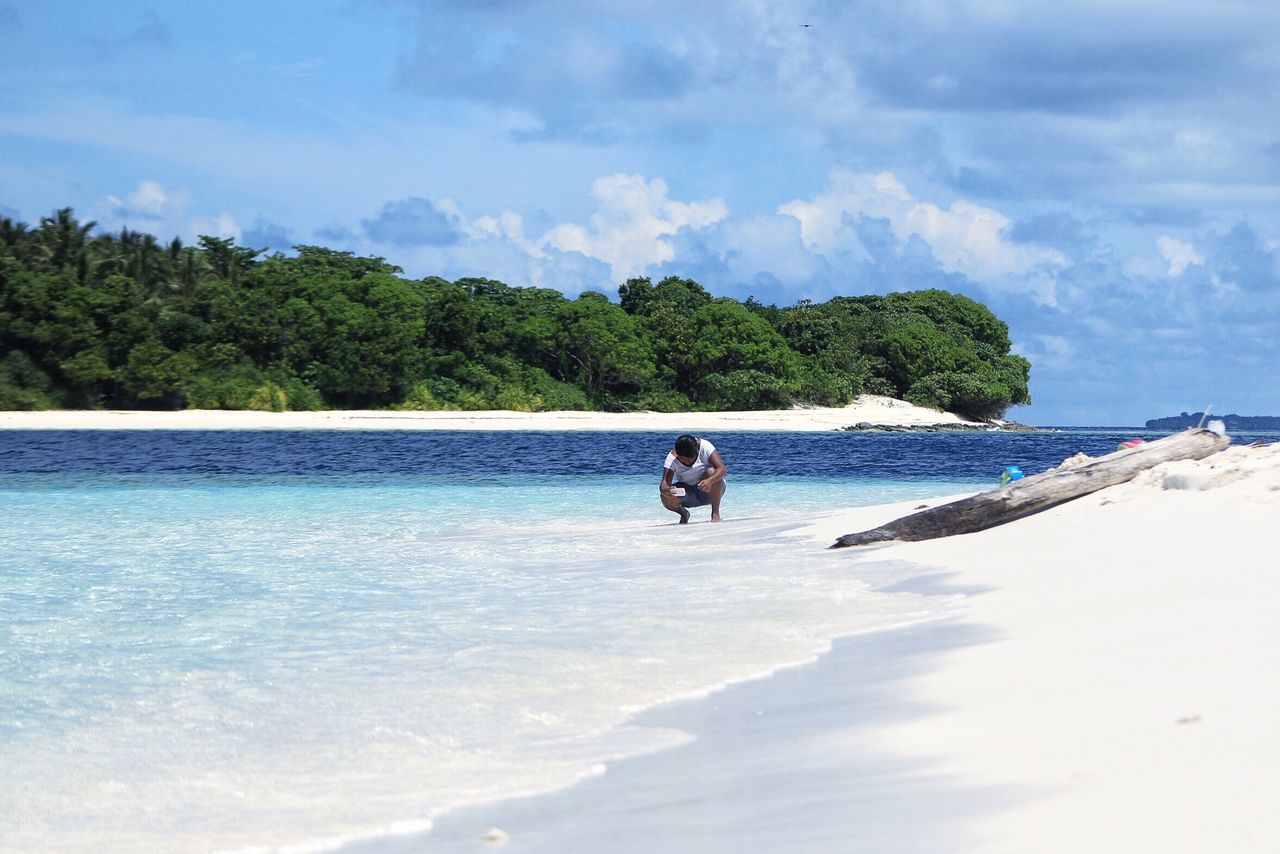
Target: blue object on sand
{"type": "Point", "coordinates": [1010, 474]}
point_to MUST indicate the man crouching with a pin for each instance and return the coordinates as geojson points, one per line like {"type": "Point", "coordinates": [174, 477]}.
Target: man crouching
{"type": "Point", "coordinates": [692, 476]}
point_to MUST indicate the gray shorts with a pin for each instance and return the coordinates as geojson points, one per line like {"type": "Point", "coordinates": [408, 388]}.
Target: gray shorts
{"type": "Point", "coordinates": [693, 497]}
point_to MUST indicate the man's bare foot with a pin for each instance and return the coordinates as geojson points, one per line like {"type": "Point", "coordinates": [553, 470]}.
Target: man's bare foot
{"type": "Point", "coordinates": [715, 517]}
{"type": "Point", "coordinates": [684, 516]}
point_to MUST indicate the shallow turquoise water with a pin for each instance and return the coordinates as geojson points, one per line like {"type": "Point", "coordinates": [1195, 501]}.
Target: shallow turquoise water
{"type": "Point", "coordinates": [209, 664]}
{"type": "Point", "coordinates": [212, 642]}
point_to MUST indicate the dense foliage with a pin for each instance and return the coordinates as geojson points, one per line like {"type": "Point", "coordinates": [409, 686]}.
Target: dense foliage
{"type": "Point", "coordinates": [123, 320]}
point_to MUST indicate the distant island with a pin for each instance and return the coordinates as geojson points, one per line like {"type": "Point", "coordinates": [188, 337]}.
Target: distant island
{"type": "Point", "coordinates": [1233, 421]}
{"type": "Point", "coordinates": [126, 321]}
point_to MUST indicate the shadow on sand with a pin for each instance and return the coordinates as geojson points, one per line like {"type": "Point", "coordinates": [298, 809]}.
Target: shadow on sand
{"type": "Point", "coordinates": [783, 764]}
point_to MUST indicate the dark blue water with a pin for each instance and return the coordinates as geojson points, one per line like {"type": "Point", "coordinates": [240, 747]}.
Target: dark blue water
{"type": "Point", "coordinates": [412, 454]}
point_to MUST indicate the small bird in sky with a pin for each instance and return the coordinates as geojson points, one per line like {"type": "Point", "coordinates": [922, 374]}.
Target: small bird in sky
{"type": "Point", "coordinates": [806, 25]}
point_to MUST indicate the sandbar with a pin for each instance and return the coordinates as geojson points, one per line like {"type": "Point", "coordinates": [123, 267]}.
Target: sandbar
{"type": "Point", "coordinates": [868, 409]}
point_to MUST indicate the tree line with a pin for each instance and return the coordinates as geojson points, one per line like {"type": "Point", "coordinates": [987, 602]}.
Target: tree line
{"type": "Point", "coordinates": [123, 320]}
{"type": "Point", "coordinates": [1233, 422]}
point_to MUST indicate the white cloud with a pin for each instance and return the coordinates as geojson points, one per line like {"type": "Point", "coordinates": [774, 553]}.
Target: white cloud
{"type": "Point", "coordinates": [222, 225]}
{"type": "Point", "coordinates": [965, 238]}
{"type": "Point", "coordinates": [1142, 267]}
{"type": "Point", "coordinates": [155, 209]}
{"type": "Point", "coordinates": [507, 225]}
{"type": "Point", "coordinates": [1179, 254]}
{"type": "Point", "coordinates": [149, 200]}
{"type": "Point", "coordinates": [1057, 345]}
{"type": "Point", "coordinates": [806, 248]}
{"type": "Point", "coordinates": [1222, 286]}
{"type": "Point", "coordinates": [631, 229]}
{"type": "Point", "coordinates": [770, 244]}
{"type": "Point", "coordinates": [632, 224]}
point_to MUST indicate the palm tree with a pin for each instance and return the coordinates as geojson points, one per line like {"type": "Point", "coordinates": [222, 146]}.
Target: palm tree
{"type": "Point", "coordinates": [108, 253]}
{"type": "Point", "coordinates": [18, 240]}
{"type": "Point", "coordinates": [64, 242]}
{"type": "Point", "coordinates": [146, 265]}
{"type": "Point", "coordinates": [228, 260]}
{"type": "Point", "coordinates": [188, 268]}
{"type": "Point", "coordinates": [12, 232]}
{"type": "Point", "coordinates": [60, 243]}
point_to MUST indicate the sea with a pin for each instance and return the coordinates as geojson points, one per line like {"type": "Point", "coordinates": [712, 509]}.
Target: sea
{"type": "Point", "coordinates": [304, 641]}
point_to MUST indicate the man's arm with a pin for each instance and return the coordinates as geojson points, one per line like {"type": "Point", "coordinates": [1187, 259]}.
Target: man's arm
{"type": "Point", "coordinates": [664, 485]}
{"type": "Point", "coordinates": [716, 476]}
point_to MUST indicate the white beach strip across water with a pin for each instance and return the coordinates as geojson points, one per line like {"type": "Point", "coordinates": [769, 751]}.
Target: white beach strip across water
{"type": "Point", "coordinates": [871, 409]}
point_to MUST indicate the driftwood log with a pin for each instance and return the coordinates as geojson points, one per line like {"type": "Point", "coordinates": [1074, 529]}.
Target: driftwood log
{"type": "Point", "coordinates": [1040, 492]}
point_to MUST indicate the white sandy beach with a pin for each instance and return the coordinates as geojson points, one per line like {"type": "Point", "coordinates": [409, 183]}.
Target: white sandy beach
{"type": "Point", "coordinates": [1130, 689]}
{"type": "Point", "coordinates": [872, 409]}
{"type": "Point", "coordinates": [1108, 686]}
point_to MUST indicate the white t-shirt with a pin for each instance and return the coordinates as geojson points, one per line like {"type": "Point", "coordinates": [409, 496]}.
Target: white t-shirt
{"type": "Point", "coordinates": [696, 472]}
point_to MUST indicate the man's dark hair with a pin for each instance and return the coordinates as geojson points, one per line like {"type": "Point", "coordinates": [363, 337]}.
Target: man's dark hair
{"type": "Point", "coordinates": [687, 446]}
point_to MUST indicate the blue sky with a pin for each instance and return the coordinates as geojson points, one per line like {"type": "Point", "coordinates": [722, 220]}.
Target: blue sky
{"type": "Point", "coordinates": [1105, 176]}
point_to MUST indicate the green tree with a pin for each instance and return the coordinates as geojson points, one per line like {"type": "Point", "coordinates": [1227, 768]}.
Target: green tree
{"type": "Point", "coordinates": [63, 244]}
{"type": "Point", "coordinates": [124, 320]}
{"type": "Point", "coordinates": [912, 348]}
{"type": "Point", "coordinates": [976, 393]}
{"type": "Point", "coordinates": [156, 376]}
{"type": "Point", "coordinates": [732, 353]}
{"type": "Point", "coordinates": [729, 338]}
{"type": "Point", "coordinates": [640, 296]}
{"type": "Point", "coordinates": [351, 329]}
{"type": "Point", "coordinates": [956, 315]}
{"type": "Point", "coordinates": [602, 348]}
{"type": "Point", "coordinates": [228, 261]}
